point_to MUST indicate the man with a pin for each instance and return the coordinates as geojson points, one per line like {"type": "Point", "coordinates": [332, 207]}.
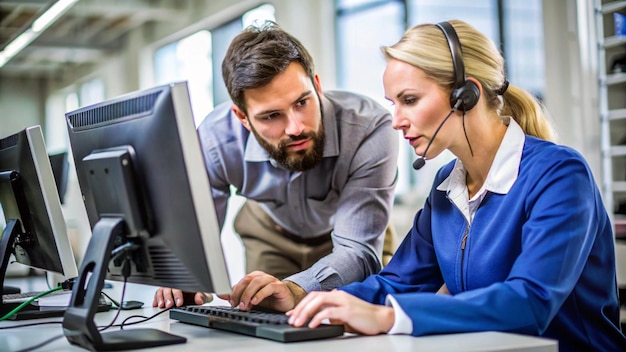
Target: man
{"type": "Point", "coordinates": [318, 170]}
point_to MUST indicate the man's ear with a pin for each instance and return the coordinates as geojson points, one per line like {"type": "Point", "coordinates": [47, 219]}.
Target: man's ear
{"type": "Point", "coordinates": [241, 116]}
{"type": "Point", "coordinates": [318, 85]}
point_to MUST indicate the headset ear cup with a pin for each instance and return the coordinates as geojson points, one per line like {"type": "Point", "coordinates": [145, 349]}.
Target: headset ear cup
{"type": "Point", "coordinates": [468, 93]}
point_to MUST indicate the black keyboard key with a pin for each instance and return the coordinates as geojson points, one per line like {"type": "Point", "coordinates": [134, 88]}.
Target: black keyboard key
{"type": "Point", "coordinates": [273, 326]}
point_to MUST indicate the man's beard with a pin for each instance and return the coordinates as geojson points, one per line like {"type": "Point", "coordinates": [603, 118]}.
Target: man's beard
{"type": "Point", "coordinates": [301, 160]}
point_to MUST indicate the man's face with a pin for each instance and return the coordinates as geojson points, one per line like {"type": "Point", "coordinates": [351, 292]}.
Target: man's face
{"type": "Point", "coordinates": [285, 117]}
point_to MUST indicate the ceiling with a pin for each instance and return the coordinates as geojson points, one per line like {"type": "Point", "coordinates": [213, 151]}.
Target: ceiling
{"type": "Point", "coordinates": [85, 33]}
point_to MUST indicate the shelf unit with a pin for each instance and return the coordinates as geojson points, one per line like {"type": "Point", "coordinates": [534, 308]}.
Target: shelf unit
{"type": "Point", "coordinates": [612, 106]}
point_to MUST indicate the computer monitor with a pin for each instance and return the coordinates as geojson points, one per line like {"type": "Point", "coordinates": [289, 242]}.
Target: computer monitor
{"type": "Point", "coordinates": [60, 170]}
{"type": "Point", "coordinates": [34, 232]}
{"type": "Point", "coordinates": [146, 190]}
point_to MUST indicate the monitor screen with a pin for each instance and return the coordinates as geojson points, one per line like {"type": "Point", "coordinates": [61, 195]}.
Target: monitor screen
{"type": "Point", "coordinates": [60, 170]}
{"type": "Point", "coordinates": [34, 230]}
{"type": "Point", "coordinates": [142, 175]}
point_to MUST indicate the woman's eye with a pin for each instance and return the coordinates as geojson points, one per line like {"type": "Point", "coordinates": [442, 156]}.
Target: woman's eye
{"type": "Point", "coordinates": [410, 100]}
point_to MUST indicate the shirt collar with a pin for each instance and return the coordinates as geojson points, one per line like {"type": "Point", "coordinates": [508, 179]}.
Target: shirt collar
{"type": "Point", "coordinates": [255, 152]}
{"type": "Point", "coordinates": [504, 169]}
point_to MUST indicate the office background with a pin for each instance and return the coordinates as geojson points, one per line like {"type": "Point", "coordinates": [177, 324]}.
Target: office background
{"type": "Point", "coordinates": [98, 50]}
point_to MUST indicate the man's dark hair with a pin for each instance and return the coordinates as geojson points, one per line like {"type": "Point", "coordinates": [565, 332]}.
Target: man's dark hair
{"type": "Point", "coordinates": [257, 55]}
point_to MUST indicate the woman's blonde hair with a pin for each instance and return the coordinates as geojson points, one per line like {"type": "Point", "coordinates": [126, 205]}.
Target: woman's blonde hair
{"type": "Point", "coordinates": [425, 47]}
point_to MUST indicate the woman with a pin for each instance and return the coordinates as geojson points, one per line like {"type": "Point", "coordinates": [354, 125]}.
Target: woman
{"type": "Point", "coordinates": [514, 231]}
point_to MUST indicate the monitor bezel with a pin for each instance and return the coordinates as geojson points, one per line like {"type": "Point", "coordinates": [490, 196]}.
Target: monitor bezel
{"type": "Point", "coordinates": [52, 204]}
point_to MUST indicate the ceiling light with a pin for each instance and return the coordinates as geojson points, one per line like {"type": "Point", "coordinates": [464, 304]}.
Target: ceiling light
{"type": "Point", "coordinates": [51, 15]}
{"type": "Point", "coordinates": [19, 43]}
{"type": "Point", "coordinates": [39, 25]}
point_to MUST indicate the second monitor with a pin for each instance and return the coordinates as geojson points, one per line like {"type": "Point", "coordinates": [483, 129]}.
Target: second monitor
{"type": "Point", "coordinates": [35, 231]}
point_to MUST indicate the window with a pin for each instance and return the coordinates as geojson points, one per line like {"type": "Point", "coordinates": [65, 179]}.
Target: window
{"type": "Point", "coordinates": [361, 63]}
{"type": "Point", "coordinates": [523, 45]}
{"type": "Point", "coordinates": [197, 59]}
{"type": "Point", "coordinates": [481, 14]}
{"type": "Point", "coordinates": [72, 98]}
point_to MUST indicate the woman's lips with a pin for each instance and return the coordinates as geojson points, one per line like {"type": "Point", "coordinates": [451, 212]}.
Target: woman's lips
{"type": "Point", "coordinates": [413, 141]}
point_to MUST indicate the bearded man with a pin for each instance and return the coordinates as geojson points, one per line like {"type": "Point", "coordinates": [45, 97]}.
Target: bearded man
{"type": "Point", "coordinates": [318, 171]}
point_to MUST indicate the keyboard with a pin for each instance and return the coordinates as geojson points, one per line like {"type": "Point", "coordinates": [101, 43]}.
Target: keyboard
{"type": "Point", "coordinates": [272, 326]}
{"type": "Point", "coordinates": [22, 297]}
{"type": "Point", "coordinates": [18, 297]}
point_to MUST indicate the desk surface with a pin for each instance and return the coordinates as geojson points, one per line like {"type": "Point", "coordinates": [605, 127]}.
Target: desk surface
{"type": "Point", "coordinates": [199, 338]}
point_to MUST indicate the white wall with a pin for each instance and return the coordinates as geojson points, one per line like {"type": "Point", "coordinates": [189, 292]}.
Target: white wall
{"type": "Point", "coordinates": [21, 104]}
{"type": "Point", "coordinates": [571, 78]}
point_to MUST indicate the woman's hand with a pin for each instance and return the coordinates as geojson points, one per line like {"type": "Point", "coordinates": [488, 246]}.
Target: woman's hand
{"type": "Point", "coordinates": [340, 307]}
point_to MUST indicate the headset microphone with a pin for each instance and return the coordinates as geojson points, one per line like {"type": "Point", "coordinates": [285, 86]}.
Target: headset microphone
{"type": "Point", "coordinates": [421, 161]}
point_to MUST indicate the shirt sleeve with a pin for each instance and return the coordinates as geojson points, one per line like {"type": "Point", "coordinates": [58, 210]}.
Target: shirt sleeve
{"type": "Point", "coordinates": [402, 324]}
{"type": "Point", "coordinates": [208, 133]}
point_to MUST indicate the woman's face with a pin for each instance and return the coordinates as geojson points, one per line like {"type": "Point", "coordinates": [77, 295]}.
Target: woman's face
{"type": "Point", "coordinates": [420, 106]}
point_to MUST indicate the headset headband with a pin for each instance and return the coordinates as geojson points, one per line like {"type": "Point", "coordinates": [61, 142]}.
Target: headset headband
{"type": "Point", "coordinates": [455, 51]}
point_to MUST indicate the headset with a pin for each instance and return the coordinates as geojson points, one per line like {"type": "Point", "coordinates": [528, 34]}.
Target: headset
{"type": "Point", "coordinates": [464, 95]}
{"type": "Point", "coordinates": [464, 90]}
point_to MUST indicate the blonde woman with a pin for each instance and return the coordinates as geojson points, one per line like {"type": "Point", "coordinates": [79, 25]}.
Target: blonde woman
{"type": "Point", "coordinates": [514, 230]}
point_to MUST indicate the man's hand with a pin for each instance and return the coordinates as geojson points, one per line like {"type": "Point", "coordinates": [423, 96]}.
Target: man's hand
{"type": "Point", "coordinates": [167, 297]}
{"type": "Point", "coordinates": [261, 289]}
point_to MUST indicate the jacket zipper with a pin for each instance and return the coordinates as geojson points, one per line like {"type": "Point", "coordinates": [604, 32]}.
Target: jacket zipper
{"type": "Point", "coordinates": [463, 255]}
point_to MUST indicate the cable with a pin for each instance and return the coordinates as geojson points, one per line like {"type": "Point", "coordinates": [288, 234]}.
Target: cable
{"type": "Point", "coordinates": [118, 311]}
{"type": "Point", "coordinates": [29, 301]}
{"type": "Point", "coordinates": [145, 319]}
{"type": "Point", "coordinates": [466, 138]}
{"type": "Point", "coordinates": [115, 303]}
{"type": "Point", "coordinates": [123, 249]}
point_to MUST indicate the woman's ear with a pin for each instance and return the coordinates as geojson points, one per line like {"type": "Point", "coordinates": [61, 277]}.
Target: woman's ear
{"type": "Point", "coordinates": [477, 83]}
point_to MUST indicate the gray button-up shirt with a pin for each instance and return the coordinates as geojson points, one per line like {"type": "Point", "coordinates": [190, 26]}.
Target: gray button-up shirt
{"type": "Point", "coordinates": [350, 192]}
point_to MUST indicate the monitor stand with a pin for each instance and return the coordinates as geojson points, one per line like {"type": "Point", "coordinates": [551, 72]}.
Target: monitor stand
{"type": "Point", "coordinates": [9, 235]}
{"type": "Point", "coordinates": [78, 322]}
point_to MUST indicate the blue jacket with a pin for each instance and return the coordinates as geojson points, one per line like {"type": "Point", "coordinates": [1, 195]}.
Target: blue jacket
{"type": "Point", "coordinates": [538, 260]}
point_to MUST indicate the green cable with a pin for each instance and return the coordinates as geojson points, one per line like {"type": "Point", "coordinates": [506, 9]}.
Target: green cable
{"type": "Point", "coordinates": [29, 301]}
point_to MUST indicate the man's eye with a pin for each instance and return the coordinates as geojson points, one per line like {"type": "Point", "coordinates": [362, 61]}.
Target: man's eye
{"type": "Point", "coordinates": [302, 102]}
{"type": "Point", "coordinates": [273, 116]}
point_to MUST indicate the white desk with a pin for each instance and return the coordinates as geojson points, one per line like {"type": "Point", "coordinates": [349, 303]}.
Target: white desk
{"type": "Point", "coordinates": [204, 339]}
